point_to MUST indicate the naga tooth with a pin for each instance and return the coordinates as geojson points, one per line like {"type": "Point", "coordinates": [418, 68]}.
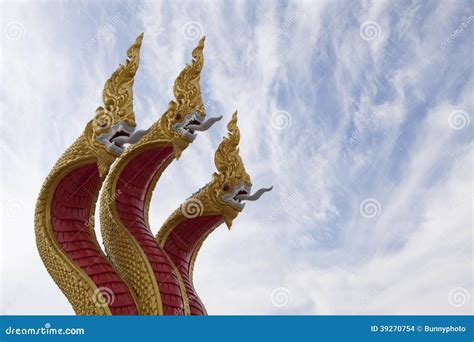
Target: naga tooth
{"type": "Point", "coordinates": [255, 196]}
{"type": "Point", "coordinates": [205, 125]}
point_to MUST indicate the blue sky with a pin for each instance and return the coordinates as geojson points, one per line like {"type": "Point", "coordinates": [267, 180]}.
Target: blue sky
{"type": "Point", "coordinates": [358, 112]}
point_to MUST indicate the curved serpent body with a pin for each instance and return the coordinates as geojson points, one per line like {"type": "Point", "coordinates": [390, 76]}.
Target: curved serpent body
{"type": "Point", "coordinates": [126, 235]}
{"type": "Point", "coordinates": [184, 232]}
{"type": "Point", "coordinates": [127, 192]}
{"type": "Point", "coordinates": [64, 213]}
{"type": "Point", "coordinates": [181, 238]}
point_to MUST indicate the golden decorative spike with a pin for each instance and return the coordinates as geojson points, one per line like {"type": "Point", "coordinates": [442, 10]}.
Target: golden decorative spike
{"type": "Point", "coordinates": [117, 94]}
{"type": "Point", "coordinates": [227, 159]}
{"type": "Point", "coordinates": [186, 89]}
{"type": "Point", "coordinates": [188, 100]}
{"type": "Point", "coordinates": [118, 102]}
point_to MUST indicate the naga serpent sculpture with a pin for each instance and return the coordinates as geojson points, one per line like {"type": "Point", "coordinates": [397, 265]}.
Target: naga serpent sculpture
{"type": "Point", "coordinates": [184, 232]}
{"type": "Point", "coordinates": [141, 273]}
{"type": "Point", "coordinates": [127, 192]}
{"type": "Point", "coordinates": [64, 215]}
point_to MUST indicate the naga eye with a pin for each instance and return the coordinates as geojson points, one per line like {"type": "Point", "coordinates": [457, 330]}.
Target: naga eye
{"type": "Point", "coordinates": [178, 116]}
{"type": "Point", "coordinates": [225, 187]}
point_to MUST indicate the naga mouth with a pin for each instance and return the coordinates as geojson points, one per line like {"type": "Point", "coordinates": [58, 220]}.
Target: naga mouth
{"type": "Point", "coordinates": [254, 197]}
{"type": "Point", "coordinates": [119, 142]}
{"type": "Point", "coordinates": [119, 134]}
{"type": "Point", "coordinates": [241, 192]}
{"type": "Point", "coordinates": [193, 123]}
{"type": "Point", "coordinates": [233, 197]}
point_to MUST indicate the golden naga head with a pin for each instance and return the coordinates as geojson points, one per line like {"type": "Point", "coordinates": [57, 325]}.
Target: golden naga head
{"type": "Point", "coordinates": [185, 115]}
{"type": "Point", "coordinates": [114, 123]}
{"type": "Point", "coordinates": [231, 184]}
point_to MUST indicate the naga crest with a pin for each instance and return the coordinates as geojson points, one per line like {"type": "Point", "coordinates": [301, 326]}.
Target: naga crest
{"type": "Point", "coordinates": [116, 118]}
{"type": "Point", "coordinates": [185, 115]}
{"type": "Point", "coordinates": [231, 184]}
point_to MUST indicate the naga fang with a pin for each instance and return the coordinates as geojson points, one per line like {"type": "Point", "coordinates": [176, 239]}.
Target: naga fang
{"type": "Point", "coordinates": [64, 216]}
{"type": "Point", "coordinates": [125, 199]}
{"type": "Point", "coordinates": [183, 233]}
